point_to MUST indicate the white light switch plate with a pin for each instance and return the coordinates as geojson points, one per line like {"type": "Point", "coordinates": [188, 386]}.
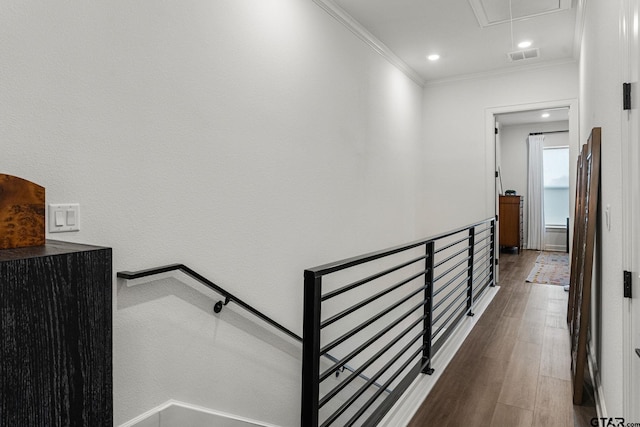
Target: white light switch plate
{"type": "Point", "coordinates": [67, 215]}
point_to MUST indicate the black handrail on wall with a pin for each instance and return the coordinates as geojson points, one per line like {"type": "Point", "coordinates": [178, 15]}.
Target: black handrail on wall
{"type": "Point", "coordinates": [128, 275]}
{"type": "Point", "coordinates": [458, 267]}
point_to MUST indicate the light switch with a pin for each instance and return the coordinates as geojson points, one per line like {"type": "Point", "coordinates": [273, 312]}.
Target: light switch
{"type": "Point", "coordinates": [64, 217]}
{"type": "Point", "coordinates": [71, 217]}
{"type": "Point", "coordinates": [59, 218]}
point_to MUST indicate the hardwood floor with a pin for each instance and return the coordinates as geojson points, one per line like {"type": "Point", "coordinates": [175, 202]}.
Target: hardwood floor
{"type": "Point", "coordinates": [514, 369]}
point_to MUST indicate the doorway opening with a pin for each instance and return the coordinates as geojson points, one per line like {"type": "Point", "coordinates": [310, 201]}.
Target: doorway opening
{"type": "Point", "coordinates": [520, 173]}
{"type": "Point", "coordinates": [560, 128]}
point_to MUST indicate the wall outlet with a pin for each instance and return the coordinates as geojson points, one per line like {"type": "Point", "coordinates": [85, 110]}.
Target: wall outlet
{"type": "Point", "coordinates": [64, 217]}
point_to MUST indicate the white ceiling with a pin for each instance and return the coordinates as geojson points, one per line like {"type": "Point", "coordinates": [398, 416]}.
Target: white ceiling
{"type": "Point", "coordinates": [468, 44]}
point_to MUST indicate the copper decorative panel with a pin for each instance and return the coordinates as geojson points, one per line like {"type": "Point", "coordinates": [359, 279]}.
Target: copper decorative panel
{"type": "Point", "coordinates": [22, 213]}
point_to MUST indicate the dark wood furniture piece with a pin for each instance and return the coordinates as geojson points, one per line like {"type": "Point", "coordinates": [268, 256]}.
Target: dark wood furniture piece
{"type": "Point", "coordinates": [56, 336]}
{"type": "Point", "coordinates": [510, 220]}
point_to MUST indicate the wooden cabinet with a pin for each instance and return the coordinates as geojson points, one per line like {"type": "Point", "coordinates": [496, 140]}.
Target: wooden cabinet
{"type": "Point", "coordinates": [510, 220]}
{"type": "Point", "coordinates": [56, 336]}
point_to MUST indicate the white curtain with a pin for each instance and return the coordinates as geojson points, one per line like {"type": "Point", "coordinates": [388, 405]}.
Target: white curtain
{"type": "Point", "coordinates": [535, 194]}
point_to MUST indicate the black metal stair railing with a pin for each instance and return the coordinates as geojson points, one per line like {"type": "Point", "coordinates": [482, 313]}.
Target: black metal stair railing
{"type": "Point", "coordinates": [229, 297]}
{"type": "Point", "coordinates": [387, 314]}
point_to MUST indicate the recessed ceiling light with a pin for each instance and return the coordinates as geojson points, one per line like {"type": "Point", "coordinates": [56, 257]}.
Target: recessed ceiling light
{"type": "Point", "coordinates": [524, 45]}
{"type": "Point", "coordinates": [433, 57]}
{"type": "Point", "coordinates": [545, 115]}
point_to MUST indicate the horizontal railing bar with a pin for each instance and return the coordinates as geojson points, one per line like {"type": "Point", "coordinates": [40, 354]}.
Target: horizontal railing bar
{"type": "Point", "coordinates": [480, 281]}
{"type": "Point", "coordinates": [337, 389]}
{"type": "Point", "coordinates": [484, 247]}
{"type": "Point", "coordinates": [484, 251]}
{"type": "Point", "coordinates": [489, 278]}
{"type": "Point", "coordinates": [128, 275]}
{"type": "Point", "coordinates": [452, 268]}
{"type": "Point", "coordinates": [488, 260]}
{"type": "Point", "coordinates": [375, 396]}
{"type": "Point", "coordinates": [325, 269]}
{"type": "Point", "coordinates": [446, 322]}
{"type": "Point", "coordinates": [437, 344]}
{"type": "Point", "coordinates": [446, 309]}
{"type": "Point", "coordinates": [363, 325]}
{"type": "Point", "coordinates": [478, 272]}
{"type": "Point", "coordinates": [373, 339]}
{"type": "Point", "coordinates": [478, 241]}
{"type": "Point", "coordinates": [364, 388]}
{"type": "Point", "coordinates": [332, 267]}
{"type": "Point", "coordinates": [442, 288]}
{"type": "Point", "coordinates": [446, 297]}
{"type": "Point", "coordinates": [481, 290]}
{"type": "Point", "coordinates": [484, 258]}
{"type": "Point", "coordinates": [381, 410]}
{"type": "Point", "coordinates": [450, 257]}
{"type": "Point", "coordinates": [457, 242]}
{"type": "Point", "coordinates": [369, 300]}
{"type": "Point", "coordinates": [351, 369]}
{"type": "Point", "coordinates": [485, 269]}
{"type": "Point", "coordinates": [361, 282]}
{"type": "Point", "coordinates": [484, 230]}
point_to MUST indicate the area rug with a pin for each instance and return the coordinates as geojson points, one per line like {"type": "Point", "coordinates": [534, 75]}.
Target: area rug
{"type": "Point", "coordinates": [551, 269]}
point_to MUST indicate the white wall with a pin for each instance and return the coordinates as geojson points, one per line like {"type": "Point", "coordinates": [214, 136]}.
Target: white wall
{"type": "Point", "coordinates": [458, 156]}
{"type": "Point", "coordinates": [247, 139]}
{"type": "Point", "coordinates": [514, 166]}
{"type": "Point", "coordinates": [601, 105]}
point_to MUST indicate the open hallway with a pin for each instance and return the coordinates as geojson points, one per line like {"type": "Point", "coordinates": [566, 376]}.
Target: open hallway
{"type": "Point", "coordinates": [514, 368]}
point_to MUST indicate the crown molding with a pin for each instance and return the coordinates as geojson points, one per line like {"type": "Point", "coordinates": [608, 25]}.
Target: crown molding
{"type": "Point", "coordinates": [356, 28]}
{"type": "Point", "coordinates": [580, 18]}
{"type": "Point", "coordinates": [499, 72]}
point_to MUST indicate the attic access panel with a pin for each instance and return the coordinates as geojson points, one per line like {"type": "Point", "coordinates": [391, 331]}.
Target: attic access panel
{"type": "Point", "coordinates": [492, 12]}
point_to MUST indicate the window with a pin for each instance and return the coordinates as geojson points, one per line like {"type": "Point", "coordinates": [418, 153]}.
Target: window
{"type": "Point", "coordinates": [556, 185]}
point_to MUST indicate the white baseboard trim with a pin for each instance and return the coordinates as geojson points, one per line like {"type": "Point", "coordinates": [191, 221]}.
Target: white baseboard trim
{"type": "Point", "coordinates": [555, 248]}
{"type": "Point", "coordinates": [405, 408]}
{"type": "Point", "coordinates": [150, 413]}
{"type": "Point", "coordinates": [212, 413]}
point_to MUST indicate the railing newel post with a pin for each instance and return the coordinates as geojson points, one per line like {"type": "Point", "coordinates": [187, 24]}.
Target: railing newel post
{"type": "Point", "coordinates": [428, 307]}
{"type": "Point", "coordinates": [492, 277]}
{"type": "Point", "coordinates": [472, 239]}
{"type": "Point", "coordinates": [311, 349]}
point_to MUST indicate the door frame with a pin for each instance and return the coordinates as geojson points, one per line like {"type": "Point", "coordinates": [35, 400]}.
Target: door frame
{"type": "Point", "coordinates": [630, 133]}
{"type": "Point", "coordinates": [491, 153]}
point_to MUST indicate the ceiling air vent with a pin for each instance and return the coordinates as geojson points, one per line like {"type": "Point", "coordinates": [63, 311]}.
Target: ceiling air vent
{"type": "Point", "coordinates": [520, 55]}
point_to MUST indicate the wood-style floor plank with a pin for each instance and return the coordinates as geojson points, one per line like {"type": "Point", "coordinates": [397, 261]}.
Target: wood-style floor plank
{"type": "Point", "coordinates": [514, 367]}
{"type": "Point", "coordinates": [505, 415]}
{"type": "Point", "coordinates": [555, 345]}
{"type": "Point", "coordinates": [553, 403]}
{"type": "Point", "coordinates": [521, 383]}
